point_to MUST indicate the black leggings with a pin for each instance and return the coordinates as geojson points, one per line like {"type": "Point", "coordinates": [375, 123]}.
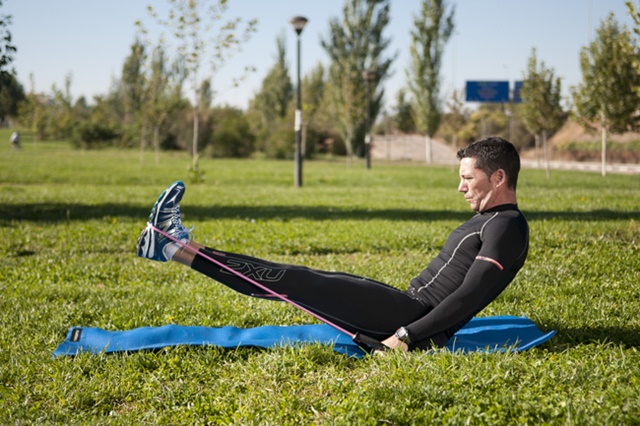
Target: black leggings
{"type": "Point", "coordinates": [354, 303]}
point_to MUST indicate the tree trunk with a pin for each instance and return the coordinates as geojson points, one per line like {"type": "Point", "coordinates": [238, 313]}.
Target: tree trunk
{"type": "Point", "coordinates": [143, 140]}
{"type": "Point", "coordinates": [156, 142]}
{"type": "Point", "coordinates": [545, 152]}
{"type": "Point", "coordinates": [604, 151]}
{"type": "Point", "coordinates": [195, 138]}
{"type": "Point", "coordinates": [348, 145]}
{"type": "Point", "coordinates": [454, 146]}
{"type": "Point", "coordinates": [428, 147]}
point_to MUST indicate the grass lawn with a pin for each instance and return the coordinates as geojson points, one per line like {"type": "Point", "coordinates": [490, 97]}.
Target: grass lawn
{"type": "Point", "coordinates": [70, 221]}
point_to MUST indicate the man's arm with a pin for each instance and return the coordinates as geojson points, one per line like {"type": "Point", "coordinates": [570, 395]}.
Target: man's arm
{"type": "Point", "coordinates": [501, 255]}
{"type": "Point", "coordinates": [483, 283]}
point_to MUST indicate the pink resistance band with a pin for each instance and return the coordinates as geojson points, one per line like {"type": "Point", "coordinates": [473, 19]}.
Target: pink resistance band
{"type": "Point", "coordinates": [250, 281]}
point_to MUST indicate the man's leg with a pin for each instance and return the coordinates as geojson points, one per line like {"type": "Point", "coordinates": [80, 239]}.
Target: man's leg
{"type": "Point", "coordinates": [355, 303]}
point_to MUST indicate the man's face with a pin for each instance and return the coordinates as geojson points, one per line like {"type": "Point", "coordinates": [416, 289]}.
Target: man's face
{"type": "Point", "coordinates": [476, 186]}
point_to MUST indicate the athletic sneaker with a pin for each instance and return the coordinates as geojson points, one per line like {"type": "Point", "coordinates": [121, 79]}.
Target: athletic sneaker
{"type": "Point", "coordinates": [165, 215]}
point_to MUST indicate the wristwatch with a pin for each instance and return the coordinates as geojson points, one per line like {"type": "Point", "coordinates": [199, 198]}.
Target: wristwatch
{"type": "Point", "coordinates": [402, 334]}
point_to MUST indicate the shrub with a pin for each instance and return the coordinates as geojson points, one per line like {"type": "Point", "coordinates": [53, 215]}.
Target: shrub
{"type": "Point", "coordinates": [232, 136]}
{"type": "Point", "coordinates": [627, 152]}
{"type": "Point", "coordinates": [90, 134]}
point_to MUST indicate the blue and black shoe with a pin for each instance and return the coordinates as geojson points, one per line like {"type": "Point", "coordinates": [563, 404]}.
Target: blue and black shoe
{"type": "Point", "coordinates": [165, 215]}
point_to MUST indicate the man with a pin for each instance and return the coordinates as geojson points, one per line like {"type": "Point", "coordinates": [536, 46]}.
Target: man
{"type": "Point", "coordinates": [479, 259]}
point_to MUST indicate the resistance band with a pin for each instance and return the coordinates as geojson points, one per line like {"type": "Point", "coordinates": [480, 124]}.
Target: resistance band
{"type": "Point", "coordinates": [367, 343]}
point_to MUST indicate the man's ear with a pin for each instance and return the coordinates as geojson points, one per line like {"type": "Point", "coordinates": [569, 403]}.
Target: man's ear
{"type": "Point", "coordinates": [499, 178]}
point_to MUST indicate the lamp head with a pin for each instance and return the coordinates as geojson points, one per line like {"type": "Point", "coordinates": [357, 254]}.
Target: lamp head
{"type": "Point", "coordinates": [298, 23]}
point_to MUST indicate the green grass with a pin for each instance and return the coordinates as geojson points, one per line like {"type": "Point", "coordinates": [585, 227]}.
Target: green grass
{"type": "Point", "coordinates": [70, 220]}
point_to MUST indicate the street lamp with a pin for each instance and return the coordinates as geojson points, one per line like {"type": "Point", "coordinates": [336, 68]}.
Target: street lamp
{"type": "Point", "coordinates": [369, 76]}
{"type": "Point", "coordinates": [298, 23]}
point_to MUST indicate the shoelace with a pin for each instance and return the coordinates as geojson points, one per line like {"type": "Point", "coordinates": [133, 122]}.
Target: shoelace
{"type": "Point", "coordinates": [176, 219]}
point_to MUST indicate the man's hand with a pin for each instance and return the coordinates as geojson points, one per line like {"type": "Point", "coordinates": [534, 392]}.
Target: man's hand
{"type": "Point", "coordinates": [394, 343]}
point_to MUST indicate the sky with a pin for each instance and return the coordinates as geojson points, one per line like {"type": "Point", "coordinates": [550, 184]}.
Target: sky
{"type": "Point", "coordinates": [493, 40]}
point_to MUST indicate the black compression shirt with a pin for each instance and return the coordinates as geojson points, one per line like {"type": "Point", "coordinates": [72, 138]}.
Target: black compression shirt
{"type": "Point", "coordinates": [479, 259]}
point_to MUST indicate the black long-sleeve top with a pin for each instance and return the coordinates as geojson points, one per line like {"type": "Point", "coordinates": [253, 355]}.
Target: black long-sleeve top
{"type": "Point", "coordinates": [479, 259]}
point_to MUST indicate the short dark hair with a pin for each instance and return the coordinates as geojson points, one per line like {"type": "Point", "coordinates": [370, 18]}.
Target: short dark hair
{"type": "Point", "coordinates": [494, 153]}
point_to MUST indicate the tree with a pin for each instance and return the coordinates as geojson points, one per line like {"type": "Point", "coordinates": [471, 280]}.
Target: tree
{"type": "Point", "coordinates": [635, 15]}
{"type": "Point", "coordinates": [270, 104]}
{"type": "Point", "coordinates": [354, 45]}
{"type": "Point", "coordinates": [162, 95]}
{"type": "Point", "coordinates": [403, 117]}
{"type": "Point", "coordinates": [490, 119]}
{"type": "Point", "coordinates": [315, 126]}
{"type": "Point", "coordinates": [431, 31]}
{"type": "Point", "coordinates": [606, 98]}
{"type": "Point", "coordinates": [277, 89]}
{"type": "Point", "coordinates": [11, 94]}
{"type": "Point", "coordinates": [133, 81]}
{"type": "Point", "coordinates": [232, 132]}
{"type": "Point", "coordinates": [456, 124]}
{"type": "Point", "coordinates": [320, 132]}
{"type": "Point", "coordinates": [7, 49]}
{"type": "Point", "coordinates": [62, 117]}
{"type": "Point", "coordinates": [203, 34]}
{"type": "Point", "coordinates": [32, 112]}
{"type": "Point", "coordinates": [541, 109]}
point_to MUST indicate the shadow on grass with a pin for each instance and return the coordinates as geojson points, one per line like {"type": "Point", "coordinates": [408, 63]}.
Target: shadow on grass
{"type": "Point", "coordinates": [59, 212]}
{"type": "Point", "coordinates": [571, 337]}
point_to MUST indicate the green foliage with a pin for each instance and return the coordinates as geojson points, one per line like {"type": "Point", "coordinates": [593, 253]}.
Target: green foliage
{"type": "Point", "coordinates": [431, 31]}
{"type": "Point", "coordinates": [280, 143]}
{"type": "Point", "coordinates": [356, 44]}
{"type": "Point", "coordinates": [627, 152]}
{"type": "Point", "coordinates": [232, 135]}
{"type": "Point", "coordinates": [320, 130]}
{"type": "Point", "coordinates": [490, 119]}
{"type": "Point", "coordinates": [94, 135]}
{"type": "Point", "coordinates": [606, 98]}
{"type": "Point", "coordinates": [541, 93]}
{"type": "Point", "coordinates": [635, 15]}
{"type": "Point", "coordinates": [70, 220]}
{"type": "Point", "coordinates": [403, 116]}
{"type": "Point", "coordinates": [7, 48]}
{"type": "Point", "coordinates": [132, 82]}
{"type": "Point", "coordinates": [11, 94]}
{"type": "Point", "coordinates": [456, 125]}
{"type": "Point", "coordinates": [206, 40]}
{"type": "Point", "coordinates": [270, 106]}
{"type": "Point", "coordinates": [276, 92]}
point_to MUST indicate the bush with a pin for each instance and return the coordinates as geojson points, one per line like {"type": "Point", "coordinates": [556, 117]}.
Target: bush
{"type": "Point", "coordinates": [627, 152]}
{"type": "Point", "coordinates": [281, 143]}
{"type": "Point", "coordinates": [90, 134]}
{"type": "Point", "coordinates": [232, 135]}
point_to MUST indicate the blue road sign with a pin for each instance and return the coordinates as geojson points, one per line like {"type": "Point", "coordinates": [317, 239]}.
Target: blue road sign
{"type": "Point", "coordinates": [517, 98]}
{"type": "Point", "coordinates": [487, 91]}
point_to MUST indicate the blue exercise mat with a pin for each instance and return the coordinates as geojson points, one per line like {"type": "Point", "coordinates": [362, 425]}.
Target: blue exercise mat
{"type": "Point", "coordinates": [486, 334]}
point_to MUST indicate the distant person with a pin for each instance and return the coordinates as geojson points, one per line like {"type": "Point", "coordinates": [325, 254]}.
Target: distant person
{"type": "Point", "coordinates": [15, 140]}
{"type": "Point", "coordinates": [478, 260]}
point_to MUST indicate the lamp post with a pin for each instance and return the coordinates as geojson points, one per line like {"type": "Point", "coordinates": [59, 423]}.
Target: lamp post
{"type": "Point", "coordinates": [298, 23]}
{"type": "Point", "coordinates": [368, 76]}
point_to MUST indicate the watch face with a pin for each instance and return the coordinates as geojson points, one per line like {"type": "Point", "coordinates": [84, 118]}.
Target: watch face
{"type": "Point", "coordinates": [402, 334]}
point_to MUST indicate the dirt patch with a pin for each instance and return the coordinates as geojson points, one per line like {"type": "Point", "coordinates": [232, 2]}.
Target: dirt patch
{"type": "Point", "coordinates": [571, 131]}
{"type": "Point", "coordinates": [572, 142]}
